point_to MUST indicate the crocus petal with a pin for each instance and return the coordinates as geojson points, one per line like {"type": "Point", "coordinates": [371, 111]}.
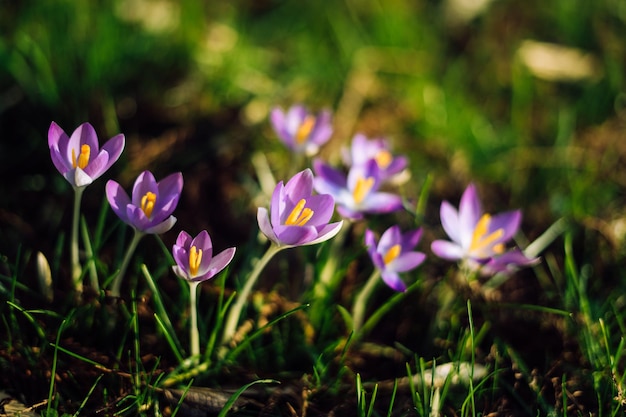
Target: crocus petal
{"type": "Point", "coordinates": [327, 232]}
{"type": "Point", "coordinates": [332, 178]}
{"type": "Point", "coordinates": [398, 164]}
{"type": "Point", "coordinates": [184, 239]}
{"type": "Point", "coordinates": [393, 280]}
{"type": "Point", "coordinates": [60, 163]}
{"type": "Point", "coordinates": [370, 239]}
{"type": "Point", "coordinates": [293, 119]}
{"type": "Point", "coordinates": [118, 199]}
{"type": "Point", "coordinates": [180, 272]}
{"type": "Point", "coordinates": [407, 261]}
{"type": "Point", "coordinates": [83, 135]}
{"type": "Point", "coordinates": [349, 213]}
{"type": "Point", "coordinates": [114, 148]}
{"type": "Point", "coordinates": [508, 262]}
{"type": "Point", "coordinates": [323, 129]}
{"type": "Point", "coordinates": [56, 135]}
{"type": "Point", "coordinates": [277, 203]}
{"type": "Point", "coordinates": [295, 235]}
{"type": "Point", "coordinates": [170, 187]}
{"type": "Point", "coordinates": [323, 207]}
{"type": "Point", "coordinates": [181, 257]}
{"type": "Point", "coordinates": [162, 227]}
{"type": "Point", "coordinates": [300, 186]}
{"type": "Point", "coordinates": [78, 178]}
{"type": "Point", "coordinates": [389, 238]}
{"type": "Point", "coordinates": [57, 142]}
{"type": "Point", "coordinates": [451, 223]}
{"type": "Point", "coordinates": [98, 165]}
{"type": "Point", "coordinates": [509, 222]}
{"type": "Point", "coordinates": [221, 260]}
{"type": "Point", "coordinates": [447, 250]}
{"type": "Point", "coordinates": [381, 202]}
{"type": "Point", "coordinates": [203, 242]}
{"type": "Point", "coordinates": [470, 211]}
{"type": "Point", "coordinates": [410, 239]}
{"type": "Point", "coordinates": [144, 183]}
{"type": "Point", "coordinates": [265, 225]}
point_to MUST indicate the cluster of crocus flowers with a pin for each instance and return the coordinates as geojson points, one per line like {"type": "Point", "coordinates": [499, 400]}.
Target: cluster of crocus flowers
{"type": "Point", "coordinates": [477, 239]}
{"type": "Point", "coordinates": [81, 161]}
{"type": "Point", "coordinates": [148, 210]}
{"type": "Point", "coordinates": [300, 130]}
{"type": "Point", "coordinates": [195, 263]}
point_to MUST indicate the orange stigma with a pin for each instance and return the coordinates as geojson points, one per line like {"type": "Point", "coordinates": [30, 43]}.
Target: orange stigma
{"type": "Point", "coordinates": [147, 203]}
{"type": "Point", "coordinates": [83, 159]}
{"type": "Point", "coordinates": [362, 188]}
{"type": "Point", "coordinates": [300, 215]}
{"type": "Point", "coordinates": [481, 241]}
{"type": "Point", "coordinates": [305, 129]}
{"type": "Point", "coordinates": [392, 253]}
{"type": "Point", "coordinates": [195, 257]}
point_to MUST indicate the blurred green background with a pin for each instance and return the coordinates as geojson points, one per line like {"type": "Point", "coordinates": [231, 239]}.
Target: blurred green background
{"type": "Point", "coordinates": [527, 99]}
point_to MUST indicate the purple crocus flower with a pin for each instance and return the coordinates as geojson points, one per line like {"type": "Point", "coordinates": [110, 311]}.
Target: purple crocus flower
{"type": "Point", "coordinates": [300, 130]}
{"type": "Point", "coordinates": [362, 150]}
{"type": "Point", "coordinates": [479, 238]}
{"type": "Point", "coordinates": [297, 217]}
{"type": "Point", "coordinates": [394, 253]}
{"type": "Point", "coordinates": [150, 209]}
{"type": "Point", "coordinates": [194, 257]}
{"type": "Point", "coordinates": [358, 192]}
{"type": "Point", "coordinates": [79, 157]}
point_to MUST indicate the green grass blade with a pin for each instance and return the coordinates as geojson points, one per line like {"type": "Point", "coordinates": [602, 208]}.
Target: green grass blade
{"type": "Point", "coordinates": [240, 391]}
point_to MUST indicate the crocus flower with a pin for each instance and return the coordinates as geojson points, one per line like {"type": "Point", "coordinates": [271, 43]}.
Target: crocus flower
{"type": "Point", "coordinates": [194, 257]}
{"type": "Point", "coordinates": [394, 253]}
{"type": "Point", "coordinates": [150, 209]}
{"type": "Point", "coordinates": [478, 238]}
{"type": "Point", "coordinates": [301, 131]}
{"type": "Point", "coordinates": [79, 158]}
{"type": "Point", "coordinates": [362, 150]}
{"type": "Point", "coordinates": [296, 216]}
{"type": "Point", "coordinates": [358, 192]}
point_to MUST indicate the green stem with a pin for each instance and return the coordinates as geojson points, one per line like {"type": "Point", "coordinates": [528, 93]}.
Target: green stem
{"type": "Point", "coordinates": [76, 268]}
{"type": "Point", "coordinates": [194, 335]}
{"type": "Point", "coordinates": [361, 301]}
{"type": "Point", "coordinates": [117, 282]}
{"type": "Point", "coordinates": [235, 312]}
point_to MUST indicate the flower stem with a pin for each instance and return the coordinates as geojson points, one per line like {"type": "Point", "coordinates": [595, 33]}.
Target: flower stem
{"type": "Point", "coordinates": [76, 268]}
{"type": "Point", "coordinates": [117, 281]}
{"type": "Point", "coordinates": [194, 335]}
{"type": "Point", "coordinates": [235, 312]}
{"type": "Point", "coordinates": [361, 301]}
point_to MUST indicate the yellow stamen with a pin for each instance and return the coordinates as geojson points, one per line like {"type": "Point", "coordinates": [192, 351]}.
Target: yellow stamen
{"type": "Point", "coordinates": [83, 158]}
{"type": "Point", "coordinates": [392, 253]}
{"type": "Point", "coordinates": [195, 257]}
{"type": "Point", "coordinates": [383, 158]}
{"type": "Point", "coordinates": [482, 241]}
{"type": "Point", "coordinates": [147, 203]}
{"type": "Point", "coordinates": [300, 215]}
{"type": "Point", "coordinates": [362, 188]}
{"type": "Point", "coordinates": [305, 129]}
